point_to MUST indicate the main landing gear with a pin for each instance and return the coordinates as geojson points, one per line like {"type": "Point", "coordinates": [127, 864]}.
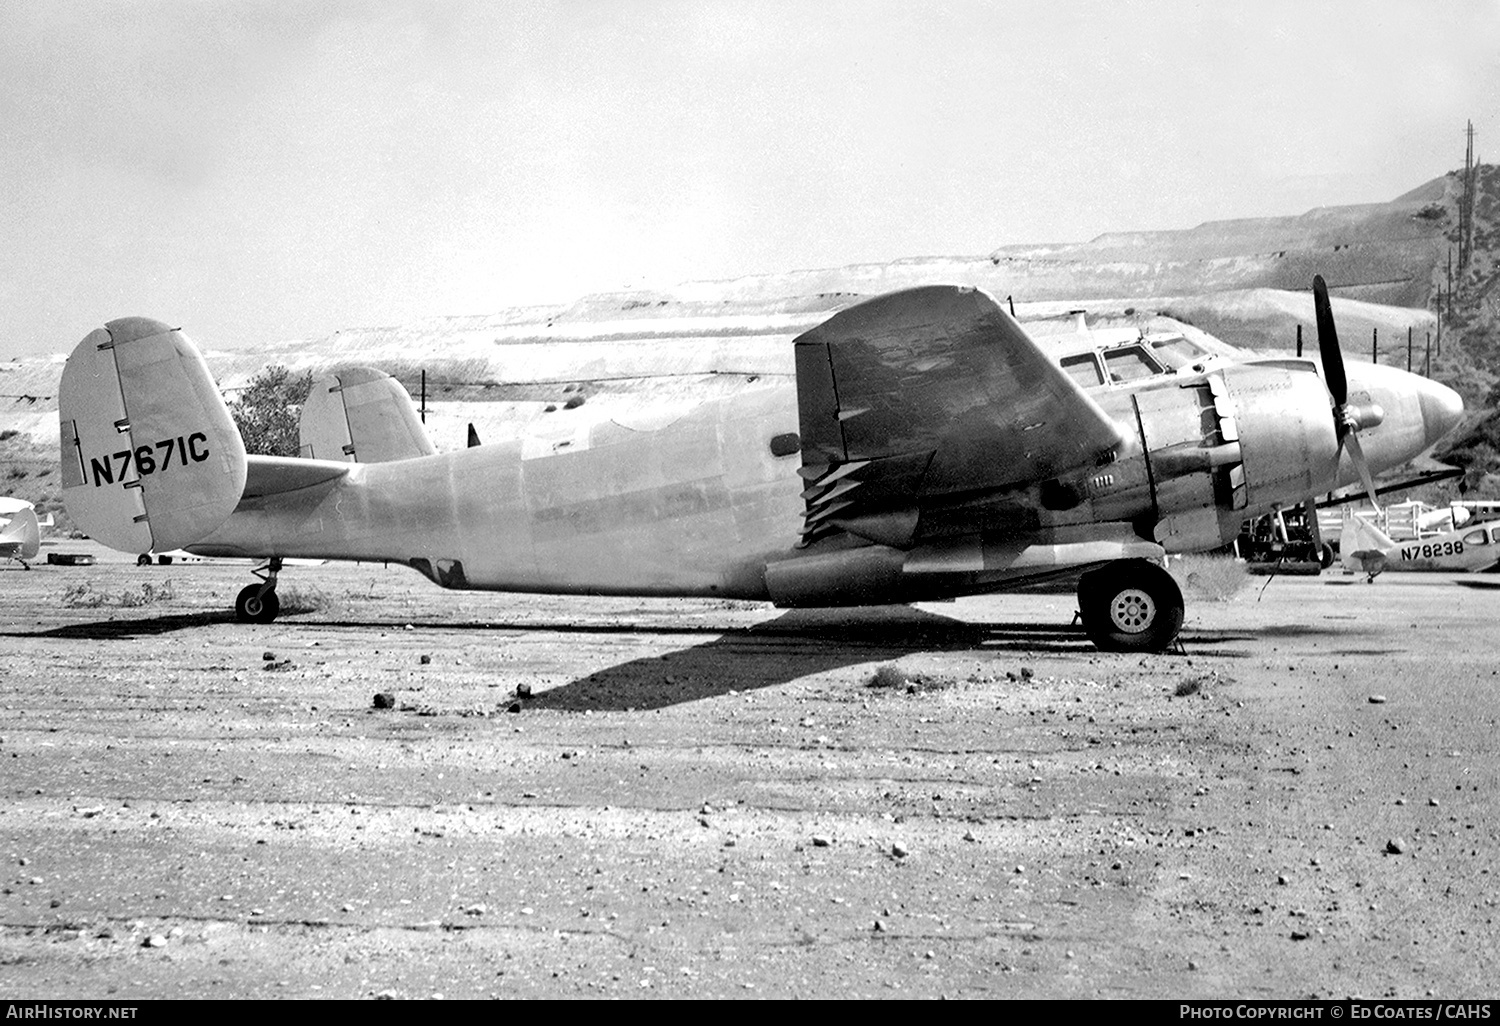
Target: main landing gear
{"type": "Point", "coordinates": [1130, 605]}
{"type": "Point", "coordinates": [258, 603]}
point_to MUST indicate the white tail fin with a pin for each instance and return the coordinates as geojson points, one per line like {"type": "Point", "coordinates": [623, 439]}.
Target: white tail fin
{"type": "Point", "coordinates": [19, 536]}
{"type": "Point", "coordinates": [151, 459]}
{"type": "Point", "coordinates": [1363, 546]}
{"type": "Point", "coordinates": [361, 415]}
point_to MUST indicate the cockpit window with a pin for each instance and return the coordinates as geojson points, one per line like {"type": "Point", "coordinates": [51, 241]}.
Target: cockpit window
{"type": "Point", "coordinates": [1084, 369]}
{"type": "Point", "coordinates": [1131, 363]}
{"type": "Point", "coordinates": [1476, 538]}
{"type": "Point", "coordinates": [1177, 352]}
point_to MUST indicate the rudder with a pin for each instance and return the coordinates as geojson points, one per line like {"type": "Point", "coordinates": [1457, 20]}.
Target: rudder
{"type": "Point", "coordinates": [151, 459]}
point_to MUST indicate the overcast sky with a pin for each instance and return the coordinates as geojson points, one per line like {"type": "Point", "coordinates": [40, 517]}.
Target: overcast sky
{"type": "Point", "coordinates": [271, 170]}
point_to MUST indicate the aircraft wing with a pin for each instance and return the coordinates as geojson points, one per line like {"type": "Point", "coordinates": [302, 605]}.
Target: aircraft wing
{"type": "Point", "coordinates": [924, 397]}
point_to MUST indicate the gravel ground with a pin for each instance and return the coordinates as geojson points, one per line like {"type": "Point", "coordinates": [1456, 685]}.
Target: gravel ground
{"type": "Point", "coordinates": [709, 799]}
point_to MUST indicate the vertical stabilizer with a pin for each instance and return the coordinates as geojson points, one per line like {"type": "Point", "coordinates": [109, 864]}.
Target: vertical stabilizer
{"type": "Point", "coordinates": [20, 537]}
{"type": "Point", "coordinates": [361, 415]}
{"type": "Point", "coordinates": [151, 459]}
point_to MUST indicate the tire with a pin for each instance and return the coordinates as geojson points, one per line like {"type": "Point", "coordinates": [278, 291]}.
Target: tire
{"type": "Point", "coordinates": [164, 560]}
{"type": "Point", "coordinates": [1130, 605]}
{"type": "Point", "coordinates": [251, 606]}
{"type": "Point", "coordinates": [144, 559]}
{"type": "Point", "coordinates": [1326, 556]}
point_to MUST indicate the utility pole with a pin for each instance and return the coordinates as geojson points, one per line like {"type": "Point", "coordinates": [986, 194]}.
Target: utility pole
{"type": "Point", "coordinates": [1428, 371]}
{"type": "Point", "coordinates": [1299, 340]}
{"type": "Point", "coordinates": [1374, 345]}
{"type": "Point", "coordinates": [1408, 349]}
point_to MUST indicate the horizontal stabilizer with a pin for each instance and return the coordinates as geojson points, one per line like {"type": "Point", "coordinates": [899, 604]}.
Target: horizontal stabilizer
{"type": "Point", "coordinates": [20, 537]}
{"type": "Point", "coordinates": [151, 459]}
{"type": "Point", "coordinates": [361, 415]}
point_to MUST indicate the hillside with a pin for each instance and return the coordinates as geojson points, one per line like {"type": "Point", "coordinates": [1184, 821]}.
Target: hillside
{"type": "Point", "coordinates": [1244, 281]}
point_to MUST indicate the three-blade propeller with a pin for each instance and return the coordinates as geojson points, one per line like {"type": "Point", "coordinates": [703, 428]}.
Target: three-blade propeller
{"type": "Point", "coordinates": [1348, 418]}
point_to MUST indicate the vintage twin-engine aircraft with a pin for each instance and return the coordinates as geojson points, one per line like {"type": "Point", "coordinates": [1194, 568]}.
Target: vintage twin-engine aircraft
{"type": "Point", "coordinates": [927, 448]}
{"type": "Point", "coordinates": [20, 531]}
{"type": "Point", "coordinates": [1366, 549]}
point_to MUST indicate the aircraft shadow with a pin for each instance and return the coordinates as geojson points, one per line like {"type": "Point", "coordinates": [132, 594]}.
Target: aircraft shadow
{"type": "Point", "coordinates": [796, 644]}
{"type": "Point", "coordinates": [123, 630]}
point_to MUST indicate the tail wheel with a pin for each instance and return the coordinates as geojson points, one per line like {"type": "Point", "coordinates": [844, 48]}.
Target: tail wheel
{"type": "Point", "coordinates": [1130, 605]}
{"type": "Point", "coordinates": [256, 604]}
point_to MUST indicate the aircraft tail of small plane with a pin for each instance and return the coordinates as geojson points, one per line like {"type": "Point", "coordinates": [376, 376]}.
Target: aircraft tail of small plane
{"type": "Point", "coordinates": [361, 415]}
{"type": "Point", "coordinates": [20, 537]}
{"type": "Point", "coordinates": [1364, 547]}
{"type": "Point", "coordinates": [151, 459]}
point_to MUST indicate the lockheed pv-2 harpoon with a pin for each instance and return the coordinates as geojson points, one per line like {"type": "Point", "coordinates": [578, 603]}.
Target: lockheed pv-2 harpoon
{"type": "Point", "coordinates": [926, 448]}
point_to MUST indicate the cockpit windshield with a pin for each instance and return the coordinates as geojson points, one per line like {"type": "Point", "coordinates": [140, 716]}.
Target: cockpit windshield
{"type": "Point", "coordinates": [1178, 352]}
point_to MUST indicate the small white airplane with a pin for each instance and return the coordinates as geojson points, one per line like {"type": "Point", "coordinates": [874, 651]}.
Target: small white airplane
{"type": "Point", "coordinates": [20, 531]}
{"type": "Point", "coordinates": [1366, 549]}
{"type": "Point", "coordinates": [926, 447]}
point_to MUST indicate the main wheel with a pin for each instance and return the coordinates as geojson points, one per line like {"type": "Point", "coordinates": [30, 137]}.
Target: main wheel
{"type": "Point", "coordinates": [1131, 605]}
{"type": "Point", "coordinates": [255, 606]}
{"type": "Point", "coordinates": [144, 559]}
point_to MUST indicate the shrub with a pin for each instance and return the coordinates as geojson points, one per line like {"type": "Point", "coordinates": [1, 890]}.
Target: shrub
{"type": "Point", "coordinates": [889, 675]}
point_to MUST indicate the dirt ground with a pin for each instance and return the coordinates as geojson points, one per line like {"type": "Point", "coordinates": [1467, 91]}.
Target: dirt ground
{"type": "Point", "coordinates": [708, 799]}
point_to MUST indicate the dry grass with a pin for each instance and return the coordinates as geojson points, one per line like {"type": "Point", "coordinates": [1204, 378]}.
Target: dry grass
{"type": "Point", "coordinates": [83, 596]}
{"type": "Point", "coordinates": [303, 598]}
{"type": "Point", "coordinates": [1210, 578]}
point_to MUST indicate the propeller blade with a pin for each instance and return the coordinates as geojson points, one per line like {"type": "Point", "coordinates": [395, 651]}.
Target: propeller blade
{"type": "Point", "coordinates": [1357, 454]}
{"type": "Point", "coordinates": [1328, 343]}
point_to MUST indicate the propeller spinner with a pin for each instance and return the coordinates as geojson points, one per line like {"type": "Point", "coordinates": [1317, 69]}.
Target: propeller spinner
{"type": "Point", "coordinates": [1348, 418]}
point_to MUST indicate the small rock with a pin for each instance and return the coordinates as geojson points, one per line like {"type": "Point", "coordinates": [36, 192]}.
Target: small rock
{"type": "Point", "coordinates": [1433, 802]}
{"type": "Point", "coordinates": [970, 836]}
{"type": "Point", "coordinates": [821, 841]}
{"type": "Point", "coordinates": [156, 940]}
{"type": "Point", "coordinates": [1299, 935]}
{"type": "Point", "coordinates": [424, 659]}
{"type": "Point", "coordinates": [269, 657]}
{"type": "Point", "coordinates": [476, 910]}
{"type": "Point", "coordinates": [514, 707]}
{"type": "Point", "coordinates": [523, 690]}
{"type": "Point", "coordinates": [1282, 879]}
{"type": "Point", "coordinates": [1395, 846]}
{"type": "Point", "coordinates": [1377, 700]}
{"type": "Point", "coordinates": [900, 850]}
{"type": "Point", "coordinates": [879, 926]}
{"type": "Point", "coordinates": [1026, 673]}
{"type": "Point", "coordinates": [56, 903]}
{"type": "Point", "coordinates": [385, 700]}
{"type": "Point", "coordinates": [408, 627]}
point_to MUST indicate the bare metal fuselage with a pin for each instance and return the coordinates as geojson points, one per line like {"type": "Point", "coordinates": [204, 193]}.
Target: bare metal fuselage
{"type": "Point", "coordinates": [695, 507]}
{"type": "Point", "coordinates": [699, 505]}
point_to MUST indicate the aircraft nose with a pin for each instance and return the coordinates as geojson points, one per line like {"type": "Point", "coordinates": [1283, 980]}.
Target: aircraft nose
{"type": "Point", "coordinates": [1442, 408]}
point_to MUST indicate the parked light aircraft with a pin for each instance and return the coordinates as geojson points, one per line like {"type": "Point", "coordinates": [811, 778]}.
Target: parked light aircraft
{"type": "Point", "coordinates": [20, 531]}
{"type": "Point", "coordinates": [927, 447]}
{"type": "Point", "coordinates": [1366, 549]}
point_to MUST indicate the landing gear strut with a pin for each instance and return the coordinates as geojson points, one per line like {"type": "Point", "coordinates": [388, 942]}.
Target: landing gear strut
{"type": "Point", "coordinates": [1130, 605]}
{"type": "Point", "coordinates": [258, 603]}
